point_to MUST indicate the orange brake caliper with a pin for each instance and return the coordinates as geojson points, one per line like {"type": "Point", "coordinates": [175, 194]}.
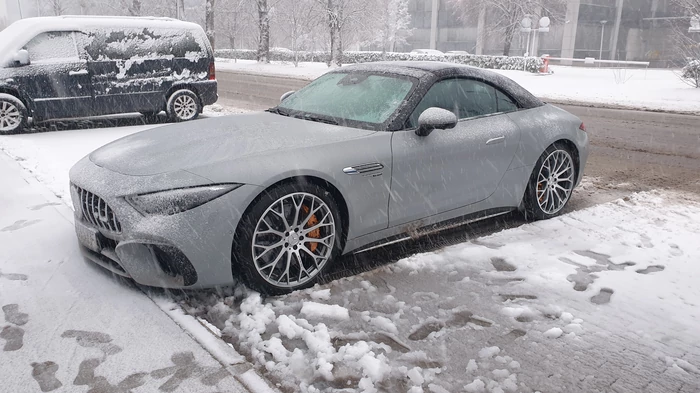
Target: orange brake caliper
{"type": "Point", "coordinates": [316, 233]}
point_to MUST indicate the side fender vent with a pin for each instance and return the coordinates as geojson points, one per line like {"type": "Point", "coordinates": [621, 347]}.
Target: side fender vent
{"type": "Point", "coordinates": [367, 170]}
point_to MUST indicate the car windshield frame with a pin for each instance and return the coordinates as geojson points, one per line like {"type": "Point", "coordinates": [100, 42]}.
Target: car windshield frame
{"type": "Point", "coordinates": [311, 116]}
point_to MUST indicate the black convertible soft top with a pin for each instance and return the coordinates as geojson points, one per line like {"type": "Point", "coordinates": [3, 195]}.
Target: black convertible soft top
{"type": "Point", "coordinates": [437, 70]}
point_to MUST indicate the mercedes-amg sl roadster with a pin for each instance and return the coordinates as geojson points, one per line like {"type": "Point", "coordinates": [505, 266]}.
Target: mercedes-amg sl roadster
{"type": "Point", "coordinates": [365, 155]}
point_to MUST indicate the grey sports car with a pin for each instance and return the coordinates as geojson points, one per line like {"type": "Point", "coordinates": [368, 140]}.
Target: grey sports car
{"type": "Point", "coordinates": [363, 156]}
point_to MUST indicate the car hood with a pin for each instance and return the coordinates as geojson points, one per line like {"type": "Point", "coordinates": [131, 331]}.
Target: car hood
{"type": "Point", "coordinates": [216, 140]}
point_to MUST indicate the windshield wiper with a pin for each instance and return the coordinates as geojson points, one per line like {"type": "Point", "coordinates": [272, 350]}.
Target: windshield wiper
{"type": "Point", "coordinates": [277, 110]}
{"type": "Point", "coordinates": [319, 119]}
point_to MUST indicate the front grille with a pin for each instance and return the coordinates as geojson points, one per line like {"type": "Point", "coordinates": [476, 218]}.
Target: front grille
{"type": "Point", "coordinates": [97, 212]}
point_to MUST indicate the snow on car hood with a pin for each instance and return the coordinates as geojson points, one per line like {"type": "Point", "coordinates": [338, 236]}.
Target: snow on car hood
{"type": "Point", "coordinates": [218, 140]}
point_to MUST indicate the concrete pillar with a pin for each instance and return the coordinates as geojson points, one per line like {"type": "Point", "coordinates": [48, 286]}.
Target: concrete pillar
{"type": "Point", "coordinates": [434, 24]}
{"type": "Point", "coordinates": [568, 41]}
{"type": "Point", "coordinates": [616, 29]}
{"type": "Point", "coordinates": [481, 32]}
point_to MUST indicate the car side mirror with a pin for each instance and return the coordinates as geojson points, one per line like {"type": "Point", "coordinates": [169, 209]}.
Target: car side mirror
{"type": "Point", "coordinates": [21, 58]}
{"type": "Point", "coordinates": [435, 119]}
{"type": "Point", "coordinates": [285, 95]}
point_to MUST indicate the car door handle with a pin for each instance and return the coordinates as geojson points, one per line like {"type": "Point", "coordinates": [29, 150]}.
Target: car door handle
{"type": "Point", "coordinates": [77, 73]}
{"type": "Point", "coordinates": [493, 141]}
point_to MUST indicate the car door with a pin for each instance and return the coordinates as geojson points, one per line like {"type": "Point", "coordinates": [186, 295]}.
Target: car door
{"type": "Point", "coordinates": [453, 168]}
{"type": "Point", "coordinates": [56, 78]}
{"type": "Point", "coordinates": [128, 68]}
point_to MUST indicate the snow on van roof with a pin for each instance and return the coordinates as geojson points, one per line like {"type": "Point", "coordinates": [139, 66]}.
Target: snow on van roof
{"type": "Point", "coordinates": [20, 32]}
{"type": "Point", "coordinates": [67, 22]}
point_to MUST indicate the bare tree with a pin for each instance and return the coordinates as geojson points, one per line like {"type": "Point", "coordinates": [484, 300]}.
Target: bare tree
{"type": "Point", "coordinates": [263, 54]}
{"type": "Point", "coordinates": [234, 19]}
{"type": "Point", "coordinates": [58, 7]}
{"type": "Point", "coordinates": [209, 21]}
{"type": "Point", "coordinates": [505, 15]}
{"type": "Point", "coordinates": [688, 44]}
{"type": "Point", "coordinates": [392, 24]}
{"type": "Point", "coordinates": [344, 16]}
{"type": "Point", "coordinates": [297, 20]}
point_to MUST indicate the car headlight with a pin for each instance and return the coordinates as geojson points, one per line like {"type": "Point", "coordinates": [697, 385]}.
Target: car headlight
{"type": "Point", "coordinates": [177, 200]}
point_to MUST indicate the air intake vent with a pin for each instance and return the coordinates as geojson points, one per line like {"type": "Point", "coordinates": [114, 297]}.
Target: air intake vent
{"type": "Point", "coordinates": [96, 211]}
{"type": "Point", "coordinates": [373, 169]}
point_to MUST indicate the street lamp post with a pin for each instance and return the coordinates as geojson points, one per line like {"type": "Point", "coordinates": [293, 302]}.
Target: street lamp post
{"type": "Point", "coordinates": [526, 27]}
{"type": "Point", "coordinates": [602, 36]}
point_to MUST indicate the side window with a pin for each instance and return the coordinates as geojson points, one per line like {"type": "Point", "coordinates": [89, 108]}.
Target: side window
{"type": "Point", "coordinates": [52, 46]}
{"type": "Point", "coordinates": [464, 97]}
{"type": "Point", "coordinates": [439, 96]}
{"type": "Point", "coordinates": [477, 99]}
{"type": "Point", "coordinates": [505, 104]}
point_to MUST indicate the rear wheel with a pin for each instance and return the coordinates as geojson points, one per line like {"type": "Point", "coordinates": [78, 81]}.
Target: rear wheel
{"type": "Point", "coordinates": [288, 238]}
{"type": "Point", "coordinates": [13, 115]}
{"type": "Point", "coordinates": [551, 183]}
{"type": "Point", "coordinates": [183, 105]}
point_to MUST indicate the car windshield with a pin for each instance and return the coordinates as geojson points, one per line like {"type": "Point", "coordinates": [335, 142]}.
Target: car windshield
{"type": "Point", "coordinates": [350, 97]}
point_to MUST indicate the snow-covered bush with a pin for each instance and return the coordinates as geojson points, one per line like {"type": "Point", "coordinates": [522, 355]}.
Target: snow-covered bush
{"type": "Point", "coordinates": [530, 64]}
{"type": "Point", "coordinates": [691, 72]}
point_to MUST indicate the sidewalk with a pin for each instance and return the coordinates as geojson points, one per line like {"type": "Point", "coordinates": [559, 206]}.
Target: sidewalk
{"type": "Point", "coordinates": [68, 326]}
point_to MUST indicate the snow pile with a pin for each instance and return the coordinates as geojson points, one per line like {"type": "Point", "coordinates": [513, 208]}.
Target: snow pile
{"type": "Point", "coordinates": [313, 358]}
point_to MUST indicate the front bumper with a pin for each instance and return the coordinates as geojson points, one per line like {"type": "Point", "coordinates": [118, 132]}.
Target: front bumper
{"type": "Point", "coordinates": [191, 249]}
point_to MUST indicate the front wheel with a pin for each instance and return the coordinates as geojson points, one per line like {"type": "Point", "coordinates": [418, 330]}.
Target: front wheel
{"type": "Point", "coordinates": [13, 115]}
{"type": "Point", "coordinates": [287, 239]}
{"type": "Point", "coordinates": [551, 183]}
{"type": "Point", "coordinates": [183, 105]}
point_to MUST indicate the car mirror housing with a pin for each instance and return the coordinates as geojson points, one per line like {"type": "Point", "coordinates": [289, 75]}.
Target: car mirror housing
{"type": "Point", "coordinates": [435, 119]}
{"type": "Point", "coordinates": [285, 95]}
{"type": "Point", "coordinates": [21, 58]}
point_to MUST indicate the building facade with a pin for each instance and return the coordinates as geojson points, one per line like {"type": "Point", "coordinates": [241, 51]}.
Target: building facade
{"type": "Point", "coordinates": [637, 30]}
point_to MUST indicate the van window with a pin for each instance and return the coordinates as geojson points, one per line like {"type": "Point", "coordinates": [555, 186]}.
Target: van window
{"type": "Point", "coordinates": [147, 43]}
{"type": "Point", "coordinates": [51, 47]}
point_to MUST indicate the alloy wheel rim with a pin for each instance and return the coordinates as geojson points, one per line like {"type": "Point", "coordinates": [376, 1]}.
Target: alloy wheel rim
{"type": "Point", "coordinates": [10, 116]}
{"type": "Point", "coordinates": [185, 107]}
{"type": "Point", "coordinates": [555, 181]}
{"type": "Point", "coordinates": [293, 240]}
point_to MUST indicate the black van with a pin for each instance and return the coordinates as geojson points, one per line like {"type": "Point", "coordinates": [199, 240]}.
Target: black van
{"type": "Point", "coordinates": [74, 66]}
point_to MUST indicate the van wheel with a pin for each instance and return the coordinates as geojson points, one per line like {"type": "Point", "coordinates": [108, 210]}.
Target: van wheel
{"type": "Point", "coordinates": [13, 115]}
{"type": "Point", "coordinates": [183, 105]}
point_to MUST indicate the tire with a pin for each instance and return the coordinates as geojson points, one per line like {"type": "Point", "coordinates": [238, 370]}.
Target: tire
{"type": "Point", "coordinates": [13, 115]}
{"type": "Point", "coordinates": [183, 105]}
{"type": "Point", "coordinates": [546, 196]}
{"type": "Point", "coordinates": [263, 268]}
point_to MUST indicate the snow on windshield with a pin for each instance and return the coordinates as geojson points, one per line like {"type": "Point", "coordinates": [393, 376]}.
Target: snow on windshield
{"type": "Point", "coordinates": [366, 98]}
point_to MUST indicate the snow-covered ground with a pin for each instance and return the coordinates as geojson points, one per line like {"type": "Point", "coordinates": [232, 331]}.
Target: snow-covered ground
{"type": "Point", "coordinates": [68, 326]}
{"type": "Point", "coordinates": [633, 88]}
{"type": "Point", "coordinates": [602, 299]}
